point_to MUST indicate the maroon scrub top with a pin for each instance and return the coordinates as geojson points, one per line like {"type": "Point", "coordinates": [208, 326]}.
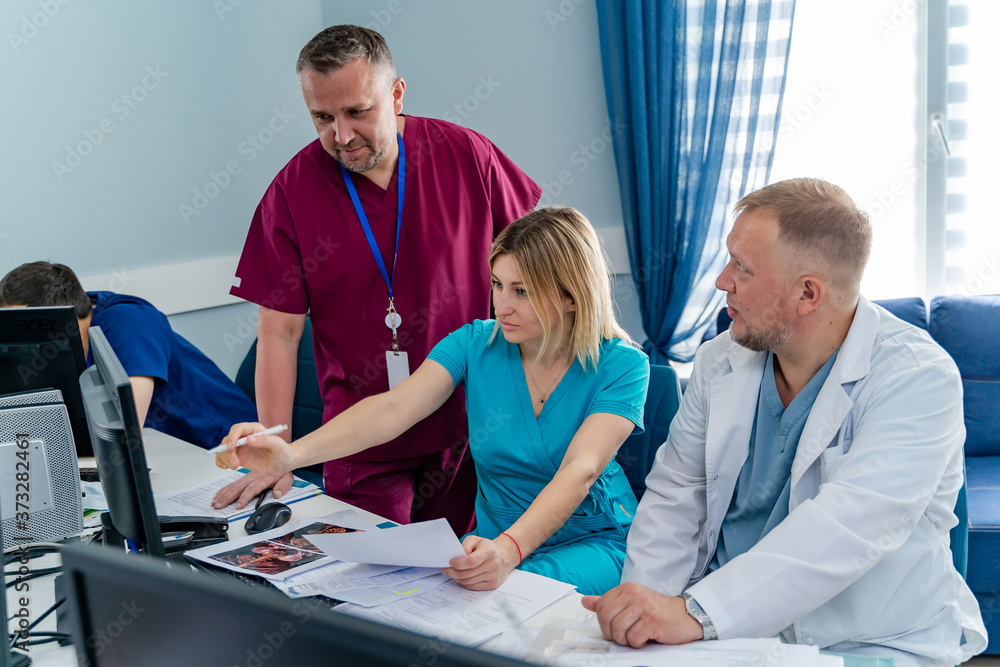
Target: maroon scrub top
{"type": "Point", "coordinates": [306, 253]}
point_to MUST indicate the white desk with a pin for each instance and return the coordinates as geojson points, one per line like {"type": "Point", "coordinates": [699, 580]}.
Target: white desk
{"type": "Point", "coordinates": [175, 465]}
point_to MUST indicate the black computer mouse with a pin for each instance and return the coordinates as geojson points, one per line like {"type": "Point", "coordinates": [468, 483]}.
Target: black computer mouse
{"type": "Point", "coordinates": [266, 517]}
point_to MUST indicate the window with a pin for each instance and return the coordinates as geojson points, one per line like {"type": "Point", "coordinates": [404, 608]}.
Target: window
{"type": "Point", "coordinates": [874, 93]}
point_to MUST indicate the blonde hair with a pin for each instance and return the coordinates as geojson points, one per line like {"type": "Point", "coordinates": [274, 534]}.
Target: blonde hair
{"type": "Point", "coordinates": [820, 220]}
{"type": "Point", "coordinates": [559, 255]}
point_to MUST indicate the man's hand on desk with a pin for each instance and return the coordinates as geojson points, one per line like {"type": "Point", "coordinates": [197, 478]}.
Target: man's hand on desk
{"type": "Point", "coordinates": [249, 487]}
{"type": "Point", "coordinates": [634, 615]}
{"type": "Point", "coordinates": [485, 565]}
{"type": "Point", "coordinates": [267, 457]}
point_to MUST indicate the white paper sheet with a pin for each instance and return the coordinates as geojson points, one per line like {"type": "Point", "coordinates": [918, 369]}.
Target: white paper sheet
{"type": "Point", "coordinates": [467, 617]}
{"type": "Point", "coordinates": [422, 544]}
{"type": "Point", "coordinates": [373, 597]}
{"type": "Point", "coordinates": [311, 582]}
{"type": "Point", "coordinates": [726, 653]}
{"type": "Point", "coordinates": [333, 579]}
{"type": "Point", "coordinates": [197, 500]}
{"type": "Point", "coordinates": [576, 640]}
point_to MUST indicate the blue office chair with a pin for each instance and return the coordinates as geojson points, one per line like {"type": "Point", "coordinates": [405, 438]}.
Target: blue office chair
{"type": "Point", "coordinates": [637, 452]}
{"type": "Point", "coordinates": [307, 405]}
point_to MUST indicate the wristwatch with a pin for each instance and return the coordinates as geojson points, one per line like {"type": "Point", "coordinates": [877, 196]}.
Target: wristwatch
{"type": "Point", "coordinates": [695, 611]}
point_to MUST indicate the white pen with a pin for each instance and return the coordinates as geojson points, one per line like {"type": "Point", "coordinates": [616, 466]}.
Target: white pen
{"type": "Point", "coordinates": [274, 430]}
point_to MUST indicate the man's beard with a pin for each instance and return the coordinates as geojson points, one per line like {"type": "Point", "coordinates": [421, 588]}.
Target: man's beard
{"type": "Point", "coordinates": [766, 340]}
{"type": "Point", "coordinates": [368, 164]}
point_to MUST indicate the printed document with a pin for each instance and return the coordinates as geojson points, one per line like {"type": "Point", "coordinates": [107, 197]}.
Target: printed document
{"type": "Point", "coordinates": [422, 544]}
{"type": "Point", "coordinates": [458, 615]}
{"type": "Point", "coordinates": [197, 501]}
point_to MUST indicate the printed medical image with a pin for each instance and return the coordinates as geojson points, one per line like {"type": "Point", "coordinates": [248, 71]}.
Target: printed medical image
{"type": "Point", "coordinates": [282, 554]}
{"type": "Point", "coordinates": [267, 558]}
{"type": "Point", "coordinates": [298, 539]}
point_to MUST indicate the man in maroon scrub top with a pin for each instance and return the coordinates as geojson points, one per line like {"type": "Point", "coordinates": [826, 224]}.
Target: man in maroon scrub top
{"type": "Point", "coordinates": [328, 240]}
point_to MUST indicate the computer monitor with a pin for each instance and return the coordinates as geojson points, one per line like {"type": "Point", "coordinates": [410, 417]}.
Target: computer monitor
{"type": "Point", "coordinates": [40, 348]}
{"type": "Point", "coordinates": [116, 436]}
{"type": "Point", "coordinates": [139, 611]}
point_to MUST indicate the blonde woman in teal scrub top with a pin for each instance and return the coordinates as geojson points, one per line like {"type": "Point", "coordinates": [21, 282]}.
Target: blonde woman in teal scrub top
{"type": "Point", "coordinates": [553, 387]}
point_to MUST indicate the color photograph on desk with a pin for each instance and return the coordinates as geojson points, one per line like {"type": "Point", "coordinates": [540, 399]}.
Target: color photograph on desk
{"type": "Point", "coordinates": [279, 557]}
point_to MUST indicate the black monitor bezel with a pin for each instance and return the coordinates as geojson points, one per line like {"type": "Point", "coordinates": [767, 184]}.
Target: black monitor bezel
{"type": "Point", "coordinates": [220, 615]}
{"type": "Point", "coordinates": [60, 323]}
{"type": "Point", "coordinates": [118, 448]}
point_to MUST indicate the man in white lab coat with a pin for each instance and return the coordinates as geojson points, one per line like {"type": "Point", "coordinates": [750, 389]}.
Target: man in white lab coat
{"type": "Point", "coordinates": [807, 487]}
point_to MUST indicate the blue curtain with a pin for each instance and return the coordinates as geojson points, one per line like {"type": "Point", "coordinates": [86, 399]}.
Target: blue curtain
{"type": "Point", "coordinates": [697, 87]}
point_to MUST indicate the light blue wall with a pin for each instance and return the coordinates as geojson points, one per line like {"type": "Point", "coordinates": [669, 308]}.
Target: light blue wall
{"type": "Point", "coordinates": [219, 76]}
{"type": "Point", "coordinates": [526, 73]}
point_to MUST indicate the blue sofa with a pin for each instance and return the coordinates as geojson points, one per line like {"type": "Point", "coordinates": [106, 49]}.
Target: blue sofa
{"type": "Point", "coordinates": [969, 329]}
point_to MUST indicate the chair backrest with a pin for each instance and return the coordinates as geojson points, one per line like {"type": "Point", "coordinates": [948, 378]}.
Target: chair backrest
{"type": "Point", "coordinates": [968, 328]}
{"type": "Point", "coordinates": [307, 406]}
{"type": "Point", "coordinates": [911, 309]}
{"type": "Point", "coordinates": [637, 452]}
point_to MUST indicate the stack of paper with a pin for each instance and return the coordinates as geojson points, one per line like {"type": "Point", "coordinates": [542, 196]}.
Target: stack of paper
{"type": "Point", "coordinates": [392, 576]}
{"type": "Point", "coordinates": [197, 501]}
{"type": "Point", "coordinates": [459, 615]}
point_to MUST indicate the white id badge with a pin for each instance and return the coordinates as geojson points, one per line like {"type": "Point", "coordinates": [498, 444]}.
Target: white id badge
{"type": "Point", "coordinates": [398, 366]}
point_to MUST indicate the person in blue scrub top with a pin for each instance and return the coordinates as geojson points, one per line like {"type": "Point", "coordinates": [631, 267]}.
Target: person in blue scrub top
{"type": "Point", "coordinates": [553, 387]}
{"type": "Point", "coordinates": [177, 389]}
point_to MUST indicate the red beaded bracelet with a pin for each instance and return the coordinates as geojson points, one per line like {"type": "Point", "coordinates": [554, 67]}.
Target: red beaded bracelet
{"type": "Point", "coordinates": [520, 559]}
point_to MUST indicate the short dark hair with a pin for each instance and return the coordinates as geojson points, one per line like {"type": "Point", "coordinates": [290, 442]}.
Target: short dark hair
{"type": "Point", "coordinates": [39, 284]}
{"type": "Point", "coordinates": [339, 45]}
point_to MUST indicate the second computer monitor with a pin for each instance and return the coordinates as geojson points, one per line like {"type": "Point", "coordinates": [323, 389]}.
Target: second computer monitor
{"type": "Point", "coordinates": [41, 348]}
{"type": "Point", "coordinates": [117, 440]}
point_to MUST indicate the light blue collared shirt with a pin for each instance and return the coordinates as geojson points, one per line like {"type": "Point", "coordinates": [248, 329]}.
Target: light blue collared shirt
{"type": "Point", "coordinates": [760, 501]}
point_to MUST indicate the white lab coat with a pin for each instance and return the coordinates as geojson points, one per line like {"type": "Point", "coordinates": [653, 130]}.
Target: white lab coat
{"type": "Point", "coordinates": [864, 552]}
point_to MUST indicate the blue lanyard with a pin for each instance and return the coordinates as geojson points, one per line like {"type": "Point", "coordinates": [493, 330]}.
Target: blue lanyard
{"type": "Point", "coordinates": [401, 183]}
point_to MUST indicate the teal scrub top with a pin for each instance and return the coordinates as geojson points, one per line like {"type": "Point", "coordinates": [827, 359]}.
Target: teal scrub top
{"type": "Point", "coordinates": [516, 454]}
